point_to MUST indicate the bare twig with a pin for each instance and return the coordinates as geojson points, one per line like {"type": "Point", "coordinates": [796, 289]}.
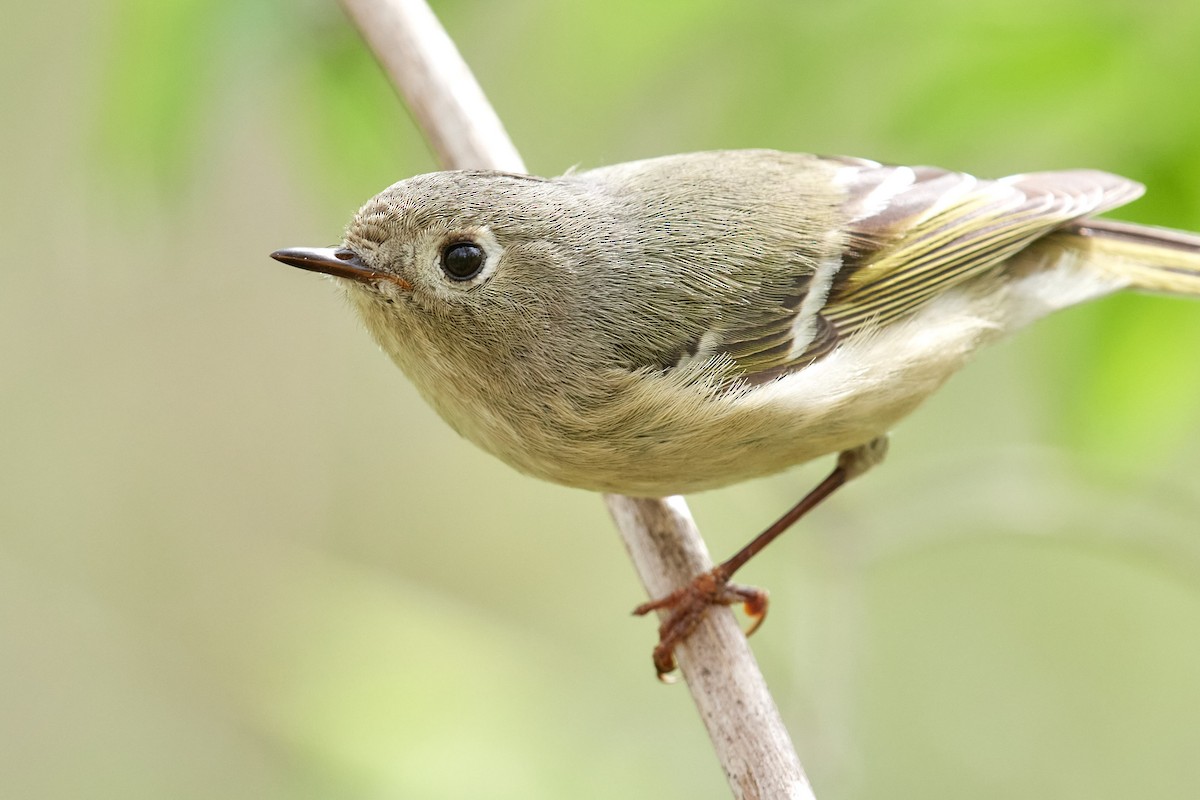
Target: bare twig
{"type": "Point", "coordinates": [442, 94]}
{"type": "Point", "coordinates": [726, 684]}
{"type": "Point", "coordinates": [729, 691]}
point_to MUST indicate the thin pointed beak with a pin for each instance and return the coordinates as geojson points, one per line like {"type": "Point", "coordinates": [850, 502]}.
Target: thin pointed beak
{"type": "Point", "coordinates": [338, 262]}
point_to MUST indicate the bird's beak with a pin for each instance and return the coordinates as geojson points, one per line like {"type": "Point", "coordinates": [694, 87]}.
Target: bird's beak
{"type": "Point", "coordinates": [339, 262]}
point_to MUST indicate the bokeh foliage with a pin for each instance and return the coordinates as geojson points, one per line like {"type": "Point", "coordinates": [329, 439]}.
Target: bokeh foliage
{"type": "Point", "coordinates": [239, 558]}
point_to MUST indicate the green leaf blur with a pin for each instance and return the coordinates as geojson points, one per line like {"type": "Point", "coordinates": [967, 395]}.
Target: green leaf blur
{"type": "Point", "coordinates": [239, 557]}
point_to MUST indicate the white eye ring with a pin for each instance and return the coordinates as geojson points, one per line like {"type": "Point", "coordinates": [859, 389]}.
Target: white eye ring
{"type": "Point", "coordinates": [460, 249]}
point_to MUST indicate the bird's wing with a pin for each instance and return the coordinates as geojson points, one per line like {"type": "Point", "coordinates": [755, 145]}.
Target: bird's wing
{"type": "Point", "coordinates": [918, 231]}
{"type": "Point", "coordinates": [914, 233]}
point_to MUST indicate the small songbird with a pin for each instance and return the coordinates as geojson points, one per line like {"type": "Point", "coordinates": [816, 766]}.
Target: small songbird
{"type": "Point", "coordinates": [682, 323]}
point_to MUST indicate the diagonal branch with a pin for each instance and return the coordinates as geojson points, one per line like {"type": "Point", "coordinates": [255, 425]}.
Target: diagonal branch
{"type": "Point", "coordinates": [727, 687]}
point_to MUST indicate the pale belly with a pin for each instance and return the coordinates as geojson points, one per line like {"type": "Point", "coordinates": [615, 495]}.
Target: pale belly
{"type": "Point", "coordinates": [663, 434]}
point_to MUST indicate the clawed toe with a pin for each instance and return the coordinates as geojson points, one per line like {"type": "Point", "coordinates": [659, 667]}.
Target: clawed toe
{"type": "Point", "coordinates": [687, 605]}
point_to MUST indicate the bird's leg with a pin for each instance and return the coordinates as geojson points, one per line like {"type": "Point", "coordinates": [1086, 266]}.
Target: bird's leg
{"type": "Point", "coordinates": [686, 605]}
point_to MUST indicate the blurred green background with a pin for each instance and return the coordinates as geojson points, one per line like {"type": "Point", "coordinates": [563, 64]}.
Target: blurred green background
{"type": "Point", "coordinates": [240, 559]}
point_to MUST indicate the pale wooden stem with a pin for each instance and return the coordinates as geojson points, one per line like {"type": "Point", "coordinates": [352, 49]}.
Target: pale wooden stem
{"type": "Point", "coordinates": [727, 687]}
{"type": "Point", "coordinates": [442, 94]}
{"type": "Point", "coordinates": [751, 741]}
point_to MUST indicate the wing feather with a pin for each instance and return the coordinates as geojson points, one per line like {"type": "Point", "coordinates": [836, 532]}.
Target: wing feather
{"type": "Point", "coordinates": [913, 233]}
{"type": "Point", "coordinates": [944, 228]}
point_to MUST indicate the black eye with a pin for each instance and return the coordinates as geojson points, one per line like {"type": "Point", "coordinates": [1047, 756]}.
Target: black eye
{"type": "Point", "coordinates": [462, 261]}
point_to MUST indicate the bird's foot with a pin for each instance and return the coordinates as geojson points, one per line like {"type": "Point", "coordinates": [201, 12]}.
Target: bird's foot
{"type": "Point", "coordinates": [686, 606]}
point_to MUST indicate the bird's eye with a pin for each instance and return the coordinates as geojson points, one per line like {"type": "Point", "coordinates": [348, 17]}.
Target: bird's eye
{"type": "Point", "coordinates": [462, 261]}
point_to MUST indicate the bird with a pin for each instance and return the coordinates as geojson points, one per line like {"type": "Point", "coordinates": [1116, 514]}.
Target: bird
{"type": "Point", "coordinates": [681, 323]}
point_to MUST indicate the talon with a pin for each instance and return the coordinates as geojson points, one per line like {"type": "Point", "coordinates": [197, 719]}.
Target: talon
{"type": "Point", "coordinates": [687, 605]}
{"type": "Point", "coordinates": [755, 603]}
{"type": "Point", "coordinates": [664, 663]}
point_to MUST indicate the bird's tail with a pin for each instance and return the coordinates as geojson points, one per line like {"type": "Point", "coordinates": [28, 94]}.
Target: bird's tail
{"type": "Point", "coordinates": [1143, 257]}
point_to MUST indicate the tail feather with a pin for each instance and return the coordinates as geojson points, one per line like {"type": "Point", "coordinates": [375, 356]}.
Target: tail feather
{"type": "Point", "coordinates": [1148, 258]}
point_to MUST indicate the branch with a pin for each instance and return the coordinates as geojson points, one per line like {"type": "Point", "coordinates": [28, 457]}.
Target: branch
{"type": "Point", "coordinates": [751, 741]}
{"type": "Point", "coordinates": [442, 94]}
{"type": "Point", "coordinates": [727, 687]}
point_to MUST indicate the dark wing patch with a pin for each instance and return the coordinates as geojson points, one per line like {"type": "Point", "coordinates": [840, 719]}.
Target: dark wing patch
{"type": "Point", "coordinates": [912, 233]}
{"type": "Point", "coordinates": [825, 339]}
{"type": "Point", "coordinates": [917, 232]}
